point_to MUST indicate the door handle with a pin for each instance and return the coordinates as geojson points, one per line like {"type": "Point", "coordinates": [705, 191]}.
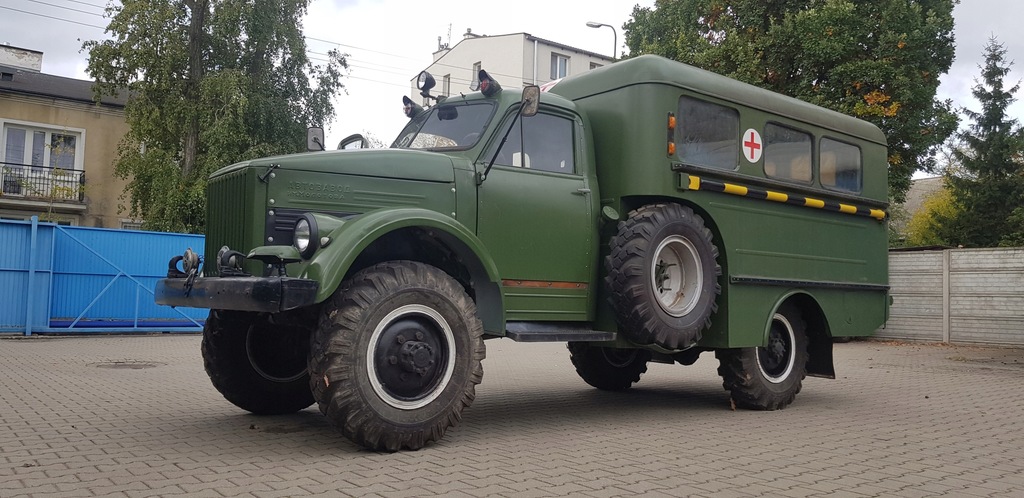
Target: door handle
{"type": "Point", "coordinates": [583, 191]}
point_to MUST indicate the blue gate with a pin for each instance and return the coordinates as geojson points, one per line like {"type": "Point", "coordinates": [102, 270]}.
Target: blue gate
{"type": "Point", "coordinates": [62, 279]}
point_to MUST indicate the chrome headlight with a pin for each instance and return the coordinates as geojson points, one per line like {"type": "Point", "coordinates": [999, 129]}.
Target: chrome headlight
{"type": "Point", "coordinates": [305, 236]}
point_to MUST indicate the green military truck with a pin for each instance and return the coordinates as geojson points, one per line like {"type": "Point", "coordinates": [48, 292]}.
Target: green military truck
{"type": "Point", "coordinates": [646, 211]}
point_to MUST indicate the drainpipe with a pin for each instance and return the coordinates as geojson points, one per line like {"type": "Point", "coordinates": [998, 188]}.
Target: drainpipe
{"type": "Point", "coordinates": [534, 61]}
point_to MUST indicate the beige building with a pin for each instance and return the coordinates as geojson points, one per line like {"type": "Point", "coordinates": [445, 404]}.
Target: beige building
{"type": "Point", "coordinates": [58, 146]}
{"type": "Point", "coordinates": [514, 60]}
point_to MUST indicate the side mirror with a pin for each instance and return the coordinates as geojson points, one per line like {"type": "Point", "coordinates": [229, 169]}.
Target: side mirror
{"type": "Point", "coordinates": [315, 138]}
{"type": "Point", "coordinates": [356, 141]}
{"type": "Point", "coordinates": [531, 101]}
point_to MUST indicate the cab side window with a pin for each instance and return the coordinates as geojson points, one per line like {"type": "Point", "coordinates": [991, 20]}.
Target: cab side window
{"type": "Point", "coordinates": [549, 145]}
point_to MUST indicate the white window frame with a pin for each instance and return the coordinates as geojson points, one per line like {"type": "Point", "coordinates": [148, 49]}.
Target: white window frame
{"type": "Point", "coordinates": [558, 70]}
{"type": "Point", "coordinates": [11, 173]}
{"type": "Point", "coordinates": [49, 129]}
{"type": "Point", "coordinates": [474, 72]}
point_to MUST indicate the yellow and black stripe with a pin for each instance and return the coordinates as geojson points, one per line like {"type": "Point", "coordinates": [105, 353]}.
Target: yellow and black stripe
{"type": "Point", "coordinates": [697, 183]}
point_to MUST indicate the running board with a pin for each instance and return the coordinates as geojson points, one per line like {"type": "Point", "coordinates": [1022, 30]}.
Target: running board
{"type": "Point", "coordinates": [555, 332]}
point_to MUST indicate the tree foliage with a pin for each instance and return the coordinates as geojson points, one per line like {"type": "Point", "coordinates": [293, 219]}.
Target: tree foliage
{"type": "Point", "coordinates": [210, 83]}
{"type": "Point", "coordinates": [874, 59]}
{"type": "Point", "coordinates": [988, 184]}
{"type": "Point", "coordinates": [924, 228]}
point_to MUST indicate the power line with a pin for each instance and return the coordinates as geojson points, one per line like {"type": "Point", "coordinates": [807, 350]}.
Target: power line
{"type": "Point", "coordinates": [66, 8]}
{"type": "Point", "coordinates": [87, 3]}
{"type": "Point", "coordinates": [361, 48]}
{"type": "Point", "coordinates": [53, 17]}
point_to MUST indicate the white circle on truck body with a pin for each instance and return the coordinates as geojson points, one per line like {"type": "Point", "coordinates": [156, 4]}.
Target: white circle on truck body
{"type": "Point", "coordinates": [752, 145]}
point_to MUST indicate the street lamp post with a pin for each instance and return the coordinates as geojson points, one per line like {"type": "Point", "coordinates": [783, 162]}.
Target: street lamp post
{"type": "Point", "coordinates": [615, 35]}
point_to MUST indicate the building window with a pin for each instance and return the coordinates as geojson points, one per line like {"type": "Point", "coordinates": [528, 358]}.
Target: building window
{"type": "Point", "coordinates": [840, 166]}
{"type": "Point", "coordinates": [475, 77]}
{"type": "Point", "coordinates": [40, 147]}
{"type": "Point", "coordinates": [128, 224]}
{"type": "Point", "coordinates": [446, 85]}
{"type": "Point", "coordinates": [708, 134]}
{"type": "Point", "coordinates": [559, 66]}
{"type": "Point", "coordinates": [38, 161]}
{"type": "Point", "coordinates": [787, 153]}
{"type": "Point", "coordinates": [594, 65]}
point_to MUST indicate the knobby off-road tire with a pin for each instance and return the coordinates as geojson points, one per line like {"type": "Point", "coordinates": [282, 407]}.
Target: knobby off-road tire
{"type": "Point", "coordinates": [663, 276]}
{"type": "Point", "coordinates": [397, 355]}
{"type": "Point", "coordinates": [768, 378]}
{"type": "Point", "coordinates": [257, 365]}
{"type": "Point", "coordinates": [609, 369]}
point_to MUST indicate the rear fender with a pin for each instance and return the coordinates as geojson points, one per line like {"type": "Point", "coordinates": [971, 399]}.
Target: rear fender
{"type": "Point", "coordinates": [819, 347]}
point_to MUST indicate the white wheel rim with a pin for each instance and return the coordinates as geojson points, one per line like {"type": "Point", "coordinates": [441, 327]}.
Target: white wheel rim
{"type": "Point", "coordinates": [790, 337]}
{"type": "Point", "coordinates": [371, 363]}
{"type": "Point", "coordinates": [676, 276]}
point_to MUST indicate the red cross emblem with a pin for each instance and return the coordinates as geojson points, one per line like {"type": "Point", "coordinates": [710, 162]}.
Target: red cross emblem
{"type": "Point", "coordinates": [752, 145]}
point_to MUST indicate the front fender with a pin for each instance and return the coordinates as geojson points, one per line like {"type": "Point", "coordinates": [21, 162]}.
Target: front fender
{"type": "Point", "coordinates": [331, 263]}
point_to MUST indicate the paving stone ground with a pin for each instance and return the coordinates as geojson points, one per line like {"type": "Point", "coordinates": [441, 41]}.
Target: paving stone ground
{"type": "Point", "coordinates": [137, 416]}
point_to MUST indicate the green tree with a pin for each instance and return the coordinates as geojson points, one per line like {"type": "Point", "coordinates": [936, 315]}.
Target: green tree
{"type": "Point", "coordinates": [209, 83]}
{"type": "Point", "coordinates": [875, 59]}
{"type": "Point", "coordinates": [988, 184]}
{"type": "Point", "coordinates": [924, 227]}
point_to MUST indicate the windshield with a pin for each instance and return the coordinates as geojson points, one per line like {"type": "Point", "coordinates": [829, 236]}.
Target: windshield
{"type": "Point", "coordinates": [446, 127]}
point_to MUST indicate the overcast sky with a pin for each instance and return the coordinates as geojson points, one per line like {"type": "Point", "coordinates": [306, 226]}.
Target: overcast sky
{"type": "Point", "coordinates": [390, 41]}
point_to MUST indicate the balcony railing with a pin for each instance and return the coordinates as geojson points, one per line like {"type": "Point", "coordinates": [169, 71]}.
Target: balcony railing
{"type": "Point", "coordinates": [41, 183]}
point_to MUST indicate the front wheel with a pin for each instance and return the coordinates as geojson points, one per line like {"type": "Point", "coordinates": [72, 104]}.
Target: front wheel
{"type": "Point", "coordinates": [768, 378]}
{"type": "Point", "coordinates": [397, 356]}
{"type": "Point", "coordinates": [257, 364]}
{"type": "Point", "coordinates": [609, 369]}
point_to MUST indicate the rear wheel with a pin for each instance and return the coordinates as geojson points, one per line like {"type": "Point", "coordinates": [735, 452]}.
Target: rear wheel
{"type": "Point", "coordinates": [610, 369]}
{"type": "Point", "coordinates": [397, 356]}
{"type": "Point", "coordinates": [768, 378]}
{"type": "Point", "coordinates": [256, 364]}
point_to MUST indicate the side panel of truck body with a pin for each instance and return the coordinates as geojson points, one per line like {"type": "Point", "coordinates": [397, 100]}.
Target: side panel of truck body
{"type": "Point", "coordinates": [768, 250]}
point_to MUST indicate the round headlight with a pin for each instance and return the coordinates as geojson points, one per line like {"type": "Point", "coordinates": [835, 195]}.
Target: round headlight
{"type": "Point", "coordinates": [305, 236]}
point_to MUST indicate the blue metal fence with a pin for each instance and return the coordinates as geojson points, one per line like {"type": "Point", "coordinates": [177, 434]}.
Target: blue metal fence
{"type": "Point", "coordinates": [61, 279]}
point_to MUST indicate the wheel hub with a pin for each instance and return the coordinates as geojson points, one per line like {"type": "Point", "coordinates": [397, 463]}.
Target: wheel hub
{"type": "Point", "coordinates": [676, 277]}
{"type": "Point", "coordinates": [416, 357]}
{"type": "Point", "coordinates": [776, 359]}
{"type": "Point", "coordinates": [411, 355]}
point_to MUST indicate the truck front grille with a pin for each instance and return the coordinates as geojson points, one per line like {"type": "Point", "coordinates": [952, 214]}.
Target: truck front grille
{"type": "Point", "coordinates": [228, 210]}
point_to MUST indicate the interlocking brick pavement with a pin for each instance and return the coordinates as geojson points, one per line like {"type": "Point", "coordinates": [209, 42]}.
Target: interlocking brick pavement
{"type": "Point", "coordinates": [136, 416]}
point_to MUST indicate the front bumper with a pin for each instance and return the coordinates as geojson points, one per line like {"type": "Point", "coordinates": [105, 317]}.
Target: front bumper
{"type": "Point", "coordinates": [269, 294]}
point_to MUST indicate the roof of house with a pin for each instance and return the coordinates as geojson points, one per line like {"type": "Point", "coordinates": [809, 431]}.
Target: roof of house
{"type": "Point", "coordinates": [22, 82]}
{"type": "Point", "coordinates": [921, 190]}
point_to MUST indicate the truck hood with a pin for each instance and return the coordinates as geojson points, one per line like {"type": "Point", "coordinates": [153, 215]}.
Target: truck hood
{"type": "Point", "coordinates": [384, 163]}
